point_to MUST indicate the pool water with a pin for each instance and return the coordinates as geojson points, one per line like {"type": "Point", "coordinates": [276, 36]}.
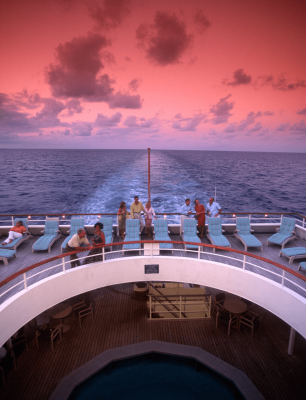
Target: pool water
{"type": "Point", "coordinates": [156, 376]}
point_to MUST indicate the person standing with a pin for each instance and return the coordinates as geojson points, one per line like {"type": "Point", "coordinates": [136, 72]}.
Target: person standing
{"type": "Point", "coordinates": [200, 212]}
{"type": "Point", "coordinates": [122, 218]}
{"type": "Point", "coordinates": [186, 212]}
{"type": "Point", "coordinates": [75, 243]}
{"type": "Point", "coordinates": [213, 208]}
{"type": "Point", "coordinates": [148, 218]}
{"type": "Point", "coordinates": [135, 211]}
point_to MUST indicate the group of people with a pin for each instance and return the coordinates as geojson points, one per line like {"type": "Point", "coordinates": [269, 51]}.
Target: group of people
{"type": "Point", "coordinates": [212, 207]}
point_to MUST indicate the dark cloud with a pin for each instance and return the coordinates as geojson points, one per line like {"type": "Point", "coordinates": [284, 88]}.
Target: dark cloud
{"type": "Point", "coordinates": [282, 127]}
{"type": "Point", "coordinates": [111, 13]}
{"type": "Point", "coordinates": [240, 78]}
{"type": "Point", "coordinates": [188, 124]}
{"type": "Point", "coordinates": [230, 128]}
{"type": "Point", "coordinates": [48, 116]}
{"type": "Point", "coordinates": [281, 83]}
{"type": "Point", "coordinates": [301, 112]}
{"type": "Point", "coordinates": [255, 128]}
{"type": "Point", "coordinates": [222, 110]}
{"type": "Point", "coordinates": [76, 73]}
{"type": "Point", "coordinates": [250, 119]}
{"type": "Point", "coordinates": [134, 122]}
{"type": "Point", "coordinates": [74, 107]}
{"type": "Point", "coordinates": [177, 116]}
{"type": "Point", "coordinates": [27, 100]}
{"type": "Point", "coordinates": [268, 113]}
{"type": "Point", "coordinates": [11, 119]}
{"type": "Point", "coordinates": [81, 128]}
{"type": "Point", "coordinates": [165, 41]}
{"type": "Point", "coordinates": [201, 22]}
{"type": "Point", "coordinates": [134, 85]}
{"type": "Point", "coordinates": [103, 121]}
{"type": "Point", "coordinates": [299, 127]}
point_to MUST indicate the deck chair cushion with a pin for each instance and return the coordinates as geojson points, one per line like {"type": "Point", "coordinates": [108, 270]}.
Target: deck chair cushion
{"type": "Point", "coordinates": [132, 233]}
{"type": "Point", "coordinates": [285, 231]}
{"type": "Point", "coordinates": [220, 240]}
{"type": "Point", "coordinates": [51, 233]}
{"type": "Point", "coordinates": [190, 233]}
{"type": "Point", "coordinates": [250, 240]}
{"type": "Point", "coordinates": [161, 233]}
{"type": "Point", "coordinates": [5, 254]}
{"type": "Point", "coordinates": [10, 246]}
{"type": "Point", "coordinates": [215, 232]}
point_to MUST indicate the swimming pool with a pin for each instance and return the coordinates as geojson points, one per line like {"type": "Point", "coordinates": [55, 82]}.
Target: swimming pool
{"type": "Point", "coordinates": [156, 376]}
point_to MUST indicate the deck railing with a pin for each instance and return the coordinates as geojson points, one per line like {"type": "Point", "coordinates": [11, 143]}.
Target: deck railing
{"type": "Point", "coordinates": [243, 260]}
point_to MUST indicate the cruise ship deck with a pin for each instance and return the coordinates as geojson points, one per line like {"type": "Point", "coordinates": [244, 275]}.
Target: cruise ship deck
{"type": "Point", "coordinates": [120, 319]}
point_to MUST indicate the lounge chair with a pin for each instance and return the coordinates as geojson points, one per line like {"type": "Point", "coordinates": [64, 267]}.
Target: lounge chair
{"type": "Point", "coordinates": [132, 232]}
{"type": "Point", "coordinates": [26, 235]}
{"type": "Point", "coordinates": [302, 265]}
{"type": "Point", "coordinates": [190, 233]}
{"type": "Point", "coordinates": [51, 234]}
{"type": "Point", "coordinates": [161, 233]}
{"type": "Point", "coordinates": [293, 252]}
{"type": "Point", "coordinates": [75, 225]}
{"type": "Point", "coordinates": [214, 234]}
{"type": "Point", "coordinates": [5, 254]}
{"type": "Point", "coordinates": [243, 233]}
{"type": "Point", "coordinates": [107, 229]}
{"type": "Point", "coordinates": [284, 234]}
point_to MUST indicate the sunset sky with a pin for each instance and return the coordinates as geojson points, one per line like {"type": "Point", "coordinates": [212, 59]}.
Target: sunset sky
{"type": "Point", "coordinates": [165, 74]}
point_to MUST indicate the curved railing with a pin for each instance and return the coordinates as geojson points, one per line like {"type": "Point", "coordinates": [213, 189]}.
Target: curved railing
{"type": "Point", "coordinates": [265, 267]}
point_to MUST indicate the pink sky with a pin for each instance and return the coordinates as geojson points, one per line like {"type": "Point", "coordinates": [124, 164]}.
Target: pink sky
{"type": "Point", "coordinates": [170, 74]}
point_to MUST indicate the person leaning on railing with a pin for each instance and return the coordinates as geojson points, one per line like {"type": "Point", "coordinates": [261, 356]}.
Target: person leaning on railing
{"type": "Point", "coordinates": [213, 208]}
{"type": "Point", "coordinates": [75, 243]}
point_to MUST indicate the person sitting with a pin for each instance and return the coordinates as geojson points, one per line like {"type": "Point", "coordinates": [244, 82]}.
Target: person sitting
{"type": "Point", "coordinates": [75, 243]}
{"type": "Point", "coordinates": [15, 233]}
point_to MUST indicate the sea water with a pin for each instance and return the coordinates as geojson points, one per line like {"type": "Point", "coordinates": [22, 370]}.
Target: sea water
{"type": "Point", "coordinates": [96, 181]}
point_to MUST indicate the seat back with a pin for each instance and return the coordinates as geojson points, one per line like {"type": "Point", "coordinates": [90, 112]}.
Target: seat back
{"type": "Point", "coordinates": [132, 229]}
{"type": "Point", "coordinates": [161, 227]}
{"type": "Point", "coordinates": [190, 227]}
{"type": "Point", "coordinates": [51, 227]}
{"type": "Point", "coordinates": [220, 297]}
{"type": "Point", "coordinates": [287, 226]}
{"type": "Point", "coordinates": [243, 226]}
{"type": "Point", "coordinates": [107, 225]}
{"type": "Point", "coordinates": [75, 225]}
{"type": "Point", "coordinates": [214, 226]}
{"type": "Point", "coordinates": [24, 221]}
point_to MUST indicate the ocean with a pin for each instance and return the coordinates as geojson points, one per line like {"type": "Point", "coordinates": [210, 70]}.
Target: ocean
{"type": "Point", "coordinates": [96, 181]}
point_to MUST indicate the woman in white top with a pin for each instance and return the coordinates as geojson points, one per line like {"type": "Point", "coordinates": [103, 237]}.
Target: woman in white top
{"type": "Point", "coordinates": [148, 218]}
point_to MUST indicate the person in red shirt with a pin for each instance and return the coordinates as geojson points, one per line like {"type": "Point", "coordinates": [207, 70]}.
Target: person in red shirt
{"type": "Point", "coordinates": [15, 233]}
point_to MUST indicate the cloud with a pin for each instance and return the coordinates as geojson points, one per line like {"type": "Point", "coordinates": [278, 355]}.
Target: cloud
{"type": "Point", "coordinates": [103, 121]}
{"type": "Point", "coordinates": [299, 127]}
{"type": "Point", "coordinates": [230, 128]}
{"type": "Point", "coordinates": [250, 119]}
{"type": "Point", "coordinates": [111, 14]}
{"type": "Point", "coordinates": [134, 122]}
{"type": "Point", "coordinates": [48, 116]}
{"type": "Point", "coordinates": [188, 124]}
{"type": "Point", "coordinates": [164, 41]}
{"type": "Point", "coordinates": [268, 113]}
{"type": "Point", "coordinates": [240, 78]}
{"type": "Point", "coordinates": [282, 127]}
{"type": "Point", "coordinates": [73, 106]}
{"type": "Point", "coordinates": [301, 112]}
{"type": "Point", "coordinates": [27, 100]}
{"type": "Point", "coordinates": [281, 83]}
{"type": "Point", "coordinates": [177, 116]}
{"type": "Point", "coordinates": [222, 110]}
{"type": "Point", "coordinates": [134, 85]}
{"type": "Point", "coordinates": [75, 75]}
{"type": "Point", "coordinates": [201, 22]}
{"type": "Point", "coordinates": [81, 128]}
{"type": "Point", "coordinates": [255, 128]}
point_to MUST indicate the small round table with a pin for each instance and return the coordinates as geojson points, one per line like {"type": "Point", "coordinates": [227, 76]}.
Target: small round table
{"type": "Point", "coordinates": [236, 307]}
{"type": "Point", "coordinates": [60, 311]}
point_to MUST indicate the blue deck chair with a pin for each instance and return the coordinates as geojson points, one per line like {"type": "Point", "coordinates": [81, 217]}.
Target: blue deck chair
{"type": "Point", "coordinates": [293, 252]}
{"type": "Point", "coordinates": [107, 229]}
{"type": "Point", "coordinates": [214, 234]}
{"type": "Point", "coordinates": [17, 242]}
{"type": "Point", "coordinates": [243, 233]}
{"type": "Point", "coordinates": [51, 235]}
{"type": "Point", "coordinates": [190, 233]}
{"type": "Point", "coordinates": [302, 265]}
{"type": "Point", "coordinates": [132, 232]}
{"type": "Point", "coordinates": [284, 234]}
{"type": "Point", "coordinates": [5, 254]}
{"type": "Point", "coordinates": [75, 225]}
{"type": "Point", "coordinates": [161, 233]}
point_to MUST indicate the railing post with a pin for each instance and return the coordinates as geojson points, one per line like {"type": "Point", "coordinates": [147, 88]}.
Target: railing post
{"type": "Point", "coordinates": [12, 220]}
{"type": "Point", "coordinates": [180, 307]}
{"type": "Point", "coordinates": [150, 307]}
{"type": "Point", "coordinates": [151, 249]}
{"type": "Point", "coordinates": [303, 222]}
{"type": "Point", "coordinates": [244, 260]}
{"type": "Point", "coordinates": [199, 253]}
{"type": "Point", "coordinates": [281, 218]}
{"type": "Point", "coordinates": [25, 281]}
{"type": "Point", "coordinates": [283, 278]}
{"type": "Point", "coordinates": [250, 216]}
{"type": "Point", "coordinates": [103, 254]}
{"type": "Point", "coordinates": [64, 264]}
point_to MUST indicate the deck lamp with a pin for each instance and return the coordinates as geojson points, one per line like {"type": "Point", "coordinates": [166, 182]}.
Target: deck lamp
{"type": "Point", "coordinates": [29, 216]}
{"type": "Point", "coordinates": [234, 215]}
{"type": "Point", "coordinates": [266, 215]}
{"type": "Point", "coordinates": [165, 216]}
{"type": "Point", "coordinates": [99, 216]}
{"type": "Point", "coordinates": [63, 216]}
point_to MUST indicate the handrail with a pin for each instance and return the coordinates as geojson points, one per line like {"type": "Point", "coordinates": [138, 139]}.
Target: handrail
{"type": "Point", "coordinates": [162, 213]}
{"type": "Point", "coordinates": [33, 266]}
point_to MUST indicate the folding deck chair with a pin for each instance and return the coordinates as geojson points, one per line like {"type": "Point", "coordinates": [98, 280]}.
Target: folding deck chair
{"type": "Point", "coordinates": [243, 233]}
{"type": "Point", "coordinates": [161, 233]}
{"type": "Point", "coordinates": [214, 234]}
{"type": "Point", "coordinates": [51, 235]}
{"type": "Point", "coordinates": [17, 242]}
{"type": "Point", "coordinates": [75, 225]}
{"type": "Point", "coordinates": [5, 254]}
{"type": "Point", "coordinates": [284, 234]}
{"type": "Point", "coordinates": [132, 232]}
{"type": "Point", "coordinates": [190, 233]}
{"type": "Point", "coordinates": [293, 252]}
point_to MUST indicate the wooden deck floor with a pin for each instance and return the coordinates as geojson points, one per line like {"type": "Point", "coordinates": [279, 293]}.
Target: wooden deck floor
{"type": "Point", "coordinates": [120, 319]}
